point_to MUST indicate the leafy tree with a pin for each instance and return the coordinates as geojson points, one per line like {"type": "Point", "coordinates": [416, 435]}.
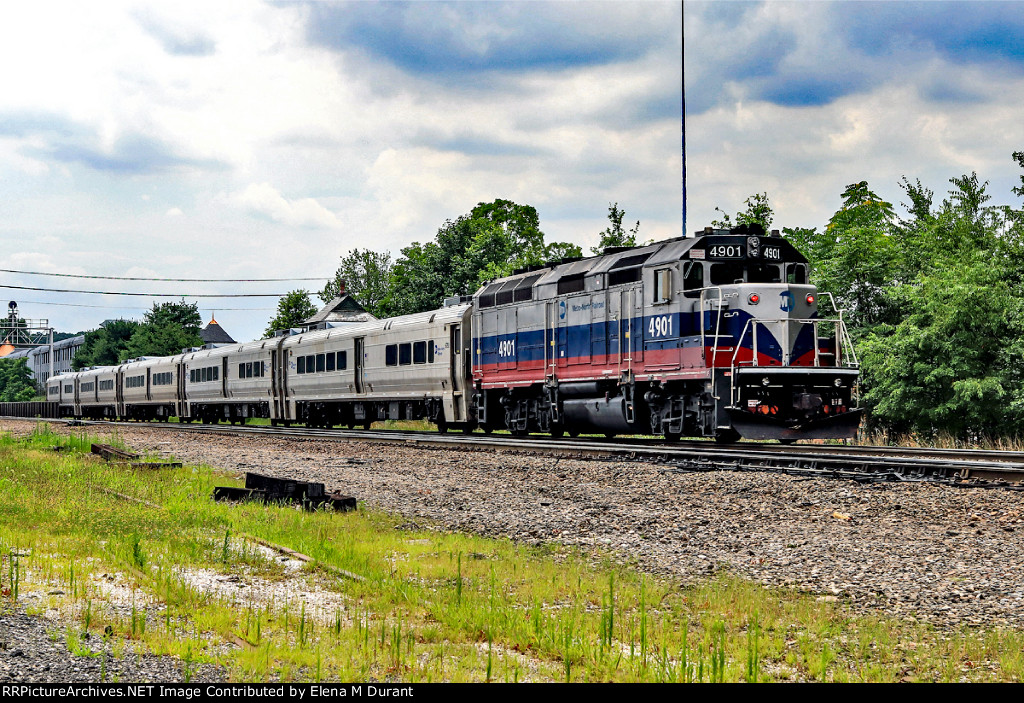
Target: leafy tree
{"type": "Point", "coordinates": [183, 314]}
{"type": "Point", "coordinates": [292, 310]}
{"type": "Point", "coordinates": [951, 365]}
{"type": "Point", "coordinates": [103, 346]}
{"type": "Point", "coordinates": [759, 211]}
{"type": "Point", "coordinates": [16, 381]}
{"type": "Point", "coordinates": [159, 340]}
{"type": "Point", "coordinates": [167, 329]}
{"type": "Point", "coordinates": [366, 274]}
{"type": "Point", "coordinates": [491, 241]}
{"type": "Point", "coordinates": [614, 235]}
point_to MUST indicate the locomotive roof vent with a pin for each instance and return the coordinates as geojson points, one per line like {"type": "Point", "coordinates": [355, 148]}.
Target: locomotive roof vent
{"type": "Point", "coordinates": [456, 300]}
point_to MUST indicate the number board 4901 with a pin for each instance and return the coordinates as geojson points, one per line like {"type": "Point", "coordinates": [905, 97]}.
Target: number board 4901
{"type": "Point", "coordinates": [726, 251]}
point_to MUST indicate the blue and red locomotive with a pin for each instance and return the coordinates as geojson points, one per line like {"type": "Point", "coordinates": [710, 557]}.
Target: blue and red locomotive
{"type": "Point", "coordinates": [717, 335]}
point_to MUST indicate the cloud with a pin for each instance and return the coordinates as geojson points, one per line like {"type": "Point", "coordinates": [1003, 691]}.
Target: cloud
{"type": "Point", "coordinates": [453, 39]}
{"type": "Point", "coordinates": [176, 39]}
{"type": "Point", "coordinates": [128, 154]}
{"type": "Point", "coordinates": [263, 200]}
{"type": "Point", "coordinates": [961, 32]}
{"type": "Point", "coordinates": [804, 54]}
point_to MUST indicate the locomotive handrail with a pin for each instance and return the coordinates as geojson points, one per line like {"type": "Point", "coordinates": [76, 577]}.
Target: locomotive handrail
{"type": "Point", "coordinates": [843, 340]}
{"type": "Point", "coordinates": [718, 322]}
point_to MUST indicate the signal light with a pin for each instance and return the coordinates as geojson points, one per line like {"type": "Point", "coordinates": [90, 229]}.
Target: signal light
{"type": "Point", "coordinates": [810, 299]}
{"type": "Point", "coordinates": [754, 298]}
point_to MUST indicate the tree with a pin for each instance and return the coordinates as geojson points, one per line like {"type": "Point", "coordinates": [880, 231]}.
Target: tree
{"type": "Point", "coordinates": [952, 365]}
{"type": "Point", "coordinates": [103, 346]}
{"type": "Point", "coordinates": [168, 328]}
{"type": "Point", "coordinates": [614, 235]}
{"type": "Point", "coordinates": [489, 242]}
{"type": "Point", "coordinates": [759, 211]}
{"type": "Point", "coordinates": [159, 340]}
{"type": "Point", "coordinates": [366, 274]}
{"type": "Point", "coordinates": [183, 314]}
{"type": "Point", "coordinates": [292, 310]}
{"type": "Point", "coordinates": [16, 381]}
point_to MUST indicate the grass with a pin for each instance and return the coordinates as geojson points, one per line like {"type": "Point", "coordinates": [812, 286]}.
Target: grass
{"type": "Point", "coordinates": [431, 606]}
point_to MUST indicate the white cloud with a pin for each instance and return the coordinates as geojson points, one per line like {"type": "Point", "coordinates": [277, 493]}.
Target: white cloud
{"type": "Point", "coordinates": [265, 200]}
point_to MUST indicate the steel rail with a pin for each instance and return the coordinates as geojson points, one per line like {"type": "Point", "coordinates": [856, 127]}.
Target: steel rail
{"type": "Point", "coordinates": [955, 467]}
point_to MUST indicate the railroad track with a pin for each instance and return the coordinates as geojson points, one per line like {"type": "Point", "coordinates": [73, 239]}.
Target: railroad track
{"type": "Point", "coordinates": [958, 467]}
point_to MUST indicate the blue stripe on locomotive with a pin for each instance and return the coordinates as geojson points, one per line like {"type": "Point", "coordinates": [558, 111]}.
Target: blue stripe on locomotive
{"type": "Point", "coordinates": [601, 338]}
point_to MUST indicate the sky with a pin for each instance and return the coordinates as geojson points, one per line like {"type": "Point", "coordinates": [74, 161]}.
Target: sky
{"type": "Point", "coordinates": [246, 139]}
{"type": "Point", "coordinates": [800, 99]}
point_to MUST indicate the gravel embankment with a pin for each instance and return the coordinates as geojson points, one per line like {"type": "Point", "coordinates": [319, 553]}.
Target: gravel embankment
{"type": "Point", "coordinates": [946, 555]}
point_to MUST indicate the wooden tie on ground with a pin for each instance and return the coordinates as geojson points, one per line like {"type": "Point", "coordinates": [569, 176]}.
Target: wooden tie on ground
{"type": "Point", "coordinates": [269, 489]}
{"type": "Point", "coordinates": [110, 453]}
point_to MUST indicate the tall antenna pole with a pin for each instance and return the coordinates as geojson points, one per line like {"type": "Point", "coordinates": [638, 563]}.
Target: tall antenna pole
{"type": "Point", "coordinates": [683, 59]}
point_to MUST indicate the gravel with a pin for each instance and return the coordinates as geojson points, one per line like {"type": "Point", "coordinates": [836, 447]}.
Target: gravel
{"type": "Point", "coordinates": [948, 556]}
{"type": "Point", "coordinates": [33, 650]}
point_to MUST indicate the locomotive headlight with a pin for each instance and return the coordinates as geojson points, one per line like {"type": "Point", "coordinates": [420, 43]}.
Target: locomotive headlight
{"type": "Point", "coordinates": [838, 383]}
{"type": "Point", "coordinates": [810, 299]}
{"type": "Point", "coordinates": [754, 298]}
{"type": "Point", "coordinates": [765, 381]}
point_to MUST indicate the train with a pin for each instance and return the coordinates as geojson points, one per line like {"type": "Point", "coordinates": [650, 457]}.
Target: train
{"type": "Point", "coordinates": [716, 335]}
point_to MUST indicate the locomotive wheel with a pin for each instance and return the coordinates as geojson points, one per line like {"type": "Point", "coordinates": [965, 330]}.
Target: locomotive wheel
{"type": "Point", "coordinates": [366, 424]}
{"type": "Point", "coordinates": [487, 429]}
{"type": "Point", "coordinates": [442, 426]}
{"type": "Point", "coordinates": [557, 432]}
{"type": "Point", "coordinates": [609, 435]}
{"type": "Point", "coordinates": [574, 433]}
{"type": "Point", "coordinates": [673, 436]}
{"type": "Point", "coordinates": [467, 429]}
{"type": "Point", "coordinates": [787, 442]}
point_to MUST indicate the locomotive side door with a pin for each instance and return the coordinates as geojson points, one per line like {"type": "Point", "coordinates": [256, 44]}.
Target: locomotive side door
{"type": "Point", "coordinates": [358, 360]}
{"type": "Point", "coordinates": [457, 371]}
{"type": "Point", "coordinates": [182, 374]}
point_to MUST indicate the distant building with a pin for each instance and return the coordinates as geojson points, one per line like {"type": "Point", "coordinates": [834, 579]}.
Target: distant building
{"type": "Point", "coordinates": [213, 335]}
{"type": "Point", "coordinates": [341, 310]}
{"type": "Point", "coordinates": [38, 359]}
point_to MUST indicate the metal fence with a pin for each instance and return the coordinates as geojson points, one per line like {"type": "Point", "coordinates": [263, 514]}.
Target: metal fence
{"type": "Point", "coordinates": [43, 409]}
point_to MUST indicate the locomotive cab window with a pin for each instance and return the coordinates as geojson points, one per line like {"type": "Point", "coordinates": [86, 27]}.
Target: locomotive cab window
{"type": "Point", "coordinates": [763, 273]}
{"type": "Point", "coordinates": [796, 273]}
{"type": "Point", "coordinates": [693, 279]}
{"type": "Point", "coordinates": [724, 274]}
{"type": "Point", "coordinates": [662, 285]}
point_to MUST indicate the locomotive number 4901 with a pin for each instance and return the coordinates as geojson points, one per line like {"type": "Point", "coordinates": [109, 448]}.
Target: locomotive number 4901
{"type": "Point", "coordinates": [726, 251]}
{"type": "Point", "coordinates": [660, 326]}
{"type": "Point", "coordinates": [507, 349]}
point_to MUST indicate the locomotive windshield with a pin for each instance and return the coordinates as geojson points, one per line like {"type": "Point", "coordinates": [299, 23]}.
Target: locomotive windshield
{"type": "Point", "coordinates": [733, 259]}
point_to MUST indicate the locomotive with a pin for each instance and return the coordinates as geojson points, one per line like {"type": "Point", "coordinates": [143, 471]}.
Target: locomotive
{"type": "Point", "coordinates": [717, 335]}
